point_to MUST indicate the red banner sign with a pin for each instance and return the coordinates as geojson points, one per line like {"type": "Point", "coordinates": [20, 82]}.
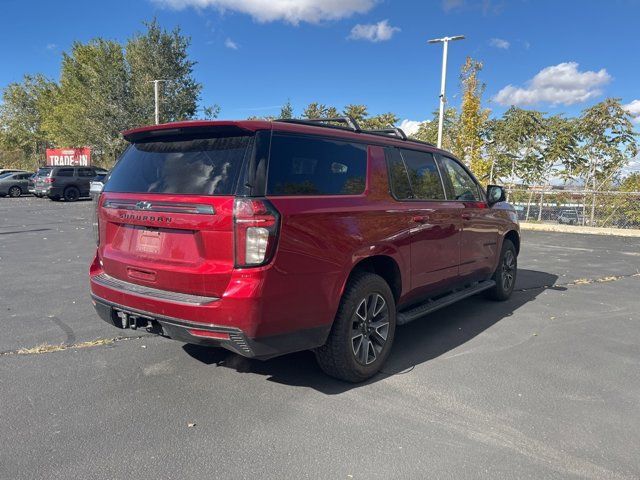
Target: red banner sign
{"type": "Point", "coordinates": [68, 156]}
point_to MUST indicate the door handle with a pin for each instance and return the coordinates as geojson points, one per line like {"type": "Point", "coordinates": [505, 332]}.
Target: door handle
{"type": "Point", "coordinates": [419, 218]}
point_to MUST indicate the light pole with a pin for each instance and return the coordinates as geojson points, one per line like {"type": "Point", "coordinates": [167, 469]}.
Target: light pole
{"type": "Point", "coordinates": [156, 98]}
{"type": "Point", "coordinates": [445, 44]}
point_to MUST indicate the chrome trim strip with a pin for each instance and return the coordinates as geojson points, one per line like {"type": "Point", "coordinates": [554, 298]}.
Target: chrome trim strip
{"type": "Point", "coordinates": [143, 291]}
{"type": "Point", "coordinates": [167, 207]}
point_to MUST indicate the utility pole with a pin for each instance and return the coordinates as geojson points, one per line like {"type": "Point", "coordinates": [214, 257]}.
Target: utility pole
{"type": "Point", "coordinates": [445, 48]}
{"type": "Point", "coordinates": [156, 96]}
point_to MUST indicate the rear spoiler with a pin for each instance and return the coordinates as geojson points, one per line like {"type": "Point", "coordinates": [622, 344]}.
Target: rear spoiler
{"type": "Point", "coordinates": [194, 129]}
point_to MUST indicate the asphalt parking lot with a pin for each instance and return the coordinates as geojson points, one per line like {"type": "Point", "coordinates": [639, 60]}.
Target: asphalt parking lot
{"type": "Point", "coordinates": [546, 385]}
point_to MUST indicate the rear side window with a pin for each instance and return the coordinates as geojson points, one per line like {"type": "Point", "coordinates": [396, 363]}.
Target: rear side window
{"type": "Point", "coordinates": [64, 172]}
{"type": "Point", "coordinates": [86, 172]}
{"type": "Point", "coordinates": [398, 176]}
{"type": "Point", "coordinates": [301, 165]}
{"type": "Point", "coordinates": [423, 175]}
{"type": "Point", "coordinates": [205, 166]}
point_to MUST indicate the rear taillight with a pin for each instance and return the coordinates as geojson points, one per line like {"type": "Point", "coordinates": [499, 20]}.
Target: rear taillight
{"type": "Point", "coordinates": [96, 220]}
{"type": "Point", "coordinates": [255, 223]}
{"type": "Point", "coordinates": [49, 180]}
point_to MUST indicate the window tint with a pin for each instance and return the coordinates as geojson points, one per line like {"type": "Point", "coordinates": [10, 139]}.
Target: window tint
{"type": "Point", "coordinates": [315, 166]}
{"type": "Point", "coordinates": [461, 185]}
{"type": "Point", "coordinates": [423, 175]}
{"type": "Point", "coordinates": [86, 172]}
{"type": "Point", "coordinates": [207, 166]}
{"type": "Point", "coordinates": [398, 177]}
{"type": "Point", "coordinates": [65, 172]}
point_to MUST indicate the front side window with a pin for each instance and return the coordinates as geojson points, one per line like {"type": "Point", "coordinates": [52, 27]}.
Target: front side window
{"type": "Point", "coordinates": [300, 165]}
{"type": "Point", "coordinates": [460, 184]}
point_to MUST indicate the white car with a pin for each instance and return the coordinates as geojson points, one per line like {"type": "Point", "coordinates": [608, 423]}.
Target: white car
{"type": "Point", "coordinates": [96, 185]}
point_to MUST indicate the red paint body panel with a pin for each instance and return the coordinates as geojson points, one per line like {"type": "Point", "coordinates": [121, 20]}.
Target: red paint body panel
{"type": "Point", "coordinates": [435, 244]}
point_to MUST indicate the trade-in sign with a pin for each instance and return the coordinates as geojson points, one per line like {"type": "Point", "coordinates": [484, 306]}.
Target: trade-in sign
{"type": "Point", "coordinates": [68, 156]}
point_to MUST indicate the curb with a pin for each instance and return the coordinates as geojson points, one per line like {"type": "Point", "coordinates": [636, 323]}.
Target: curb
{"type": "Point", "coordinates": [547, 227]}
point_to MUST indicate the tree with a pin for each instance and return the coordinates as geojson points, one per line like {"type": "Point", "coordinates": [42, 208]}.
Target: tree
{"type": "Point", "coordinates": [211, 112]}
{"type": "Point", "coordinates": [158, 54]}
{"type": "Point", "coordinates": [383, 120]}
{"type": "Point", "coordinates": [21, 116]}
{"type": "Point", "coordinates": [319, 110]}
{"type": "Point", "coordinates": [498, 149]}
{"type": "Point", "coordinates": [287, 110]}
{"type": "Point", "coordinates": [92, 104]}
{"type": "Point", "coordinates": [358, 112]}
{"type": "Point", "coordinates": [608, 143]}
{"type": "Point", "coordinates": [428, 131]}
{"type": "Point", "coordinates": [472, 120]}
{"type": "Point", "coordinates": [631, 183]}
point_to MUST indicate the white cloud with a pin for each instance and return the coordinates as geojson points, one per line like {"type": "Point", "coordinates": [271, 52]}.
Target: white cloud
{"type": "Point", "coordinates": [291, 11]}
{"type": "Point", "coordinates": [557, 84]}
{"type": "Point", "coordinates": [375, 32]}
{"type": "Point", "coordinates": [499, 43]}
{"type": "Point", "coordinates": [51, 46]}
{"type": "Point", "coordinates": [634, 109]}
{"type": "Point", "coordinates": [231, 44]}
{"type": "Point", "coordinates": [410, 127]}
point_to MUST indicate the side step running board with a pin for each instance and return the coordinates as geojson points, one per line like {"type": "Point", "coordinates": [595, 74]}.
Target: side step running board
{"type": "Point", "coordinates": [433, 305]}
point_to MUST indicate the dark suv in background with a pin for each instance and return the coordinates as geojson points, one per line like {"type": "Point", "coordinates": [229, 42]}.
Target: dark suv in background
{"type": "Point", "coordinates": [68, 183]}
{"type": "Point", "coordinates": [272, 237]}
{"type": "Point", "coordinates": [42, 172]}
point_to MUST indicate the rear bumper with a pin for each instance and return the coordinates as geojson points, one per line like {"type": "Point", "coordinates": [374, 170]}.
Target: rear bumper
{"type": "Point", "coordinates": [229, 338]}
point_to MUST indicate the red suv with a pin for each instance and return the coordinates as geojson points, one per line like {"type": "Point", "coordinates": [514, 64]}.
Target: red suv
{"type": "Point", "coordinates": [267, 238]}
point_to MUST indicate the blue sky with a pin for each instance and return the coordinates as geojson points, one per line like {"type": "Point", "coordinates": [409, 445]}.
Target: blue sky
{"type": "Point", "coordinates": [253, 55]}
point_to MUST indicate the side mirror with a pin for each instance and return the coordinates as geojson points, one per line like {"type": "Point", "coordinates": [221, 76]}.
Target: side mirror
{"type": "Point", "coordinates": [496, 194]}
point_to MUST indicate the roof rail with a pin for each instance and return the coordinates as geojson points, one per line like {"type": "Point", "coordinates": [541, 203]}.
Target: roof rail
{"type": "Point", "coordinates": [349, 121]}
{"type": "Point", "coordinates": [352, 124]}
{"type": "Point", "coordinates": [392, 131]}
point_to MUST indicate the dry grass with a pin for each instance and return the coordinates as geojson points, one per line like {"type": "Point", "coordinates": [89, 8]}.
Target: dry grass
{"type": "Point", "coordinates": [46, 348]}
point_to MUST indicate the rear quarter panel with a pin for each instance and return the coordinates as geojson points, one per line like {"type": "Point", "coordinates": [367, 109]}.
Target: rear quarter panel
{"type": "Point", "coordinates": [322, 238]}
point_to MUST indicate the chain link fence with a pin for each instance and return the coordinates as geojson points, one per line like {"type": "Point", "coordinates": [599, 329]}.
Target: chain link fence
{"type": "Point", "coordinates": [577, 207]}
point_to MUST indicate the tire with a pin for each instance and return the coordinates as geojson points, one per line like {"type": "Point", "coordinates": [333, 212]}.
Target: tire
{"type": "Point", "coordinates": [15, 192]}
{"type": "Point", "coordinates": [362, 332]}
{"type": "Point", "coordinates": [506, 273]}
{"type": "Point", "coordinates": [71, 194]}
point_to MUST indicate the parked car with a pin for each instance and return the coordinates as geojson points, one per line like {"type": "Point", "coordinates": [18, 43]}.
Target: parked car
{"type": "Point", "coordinates": [68, 183]}
{"type": "Point", "coordinates": [42, 172]}
{"type": "Point", "coordinates": [97, 184]}
{"type": "Point", "coordinates": [14, 184]}
{"type": "Point", "coordinates": [11, 170]}
{"type": "Point", "coordinates": [569, 217]}
{"type": "Point", "coordinates": [266, 238]}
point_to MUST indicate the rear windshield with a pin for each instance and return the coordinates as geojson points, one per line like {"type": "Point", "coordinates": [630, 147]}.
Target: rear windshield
{"type": "Point", "coordinates": [208, 166]}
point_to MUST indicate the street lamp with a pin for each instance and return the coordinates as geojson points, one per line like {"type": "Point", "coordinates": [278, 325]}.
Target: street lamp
{"type": "Point", "coordinates": [156, 98]}
{"type": "Point", "coordinates": [445, 43]}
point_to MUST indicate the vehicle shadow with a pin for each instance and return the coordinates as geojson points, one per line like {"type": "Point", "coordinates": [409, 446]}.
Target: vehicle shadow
{"type": "Point", "coordinates": [415, 343]}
